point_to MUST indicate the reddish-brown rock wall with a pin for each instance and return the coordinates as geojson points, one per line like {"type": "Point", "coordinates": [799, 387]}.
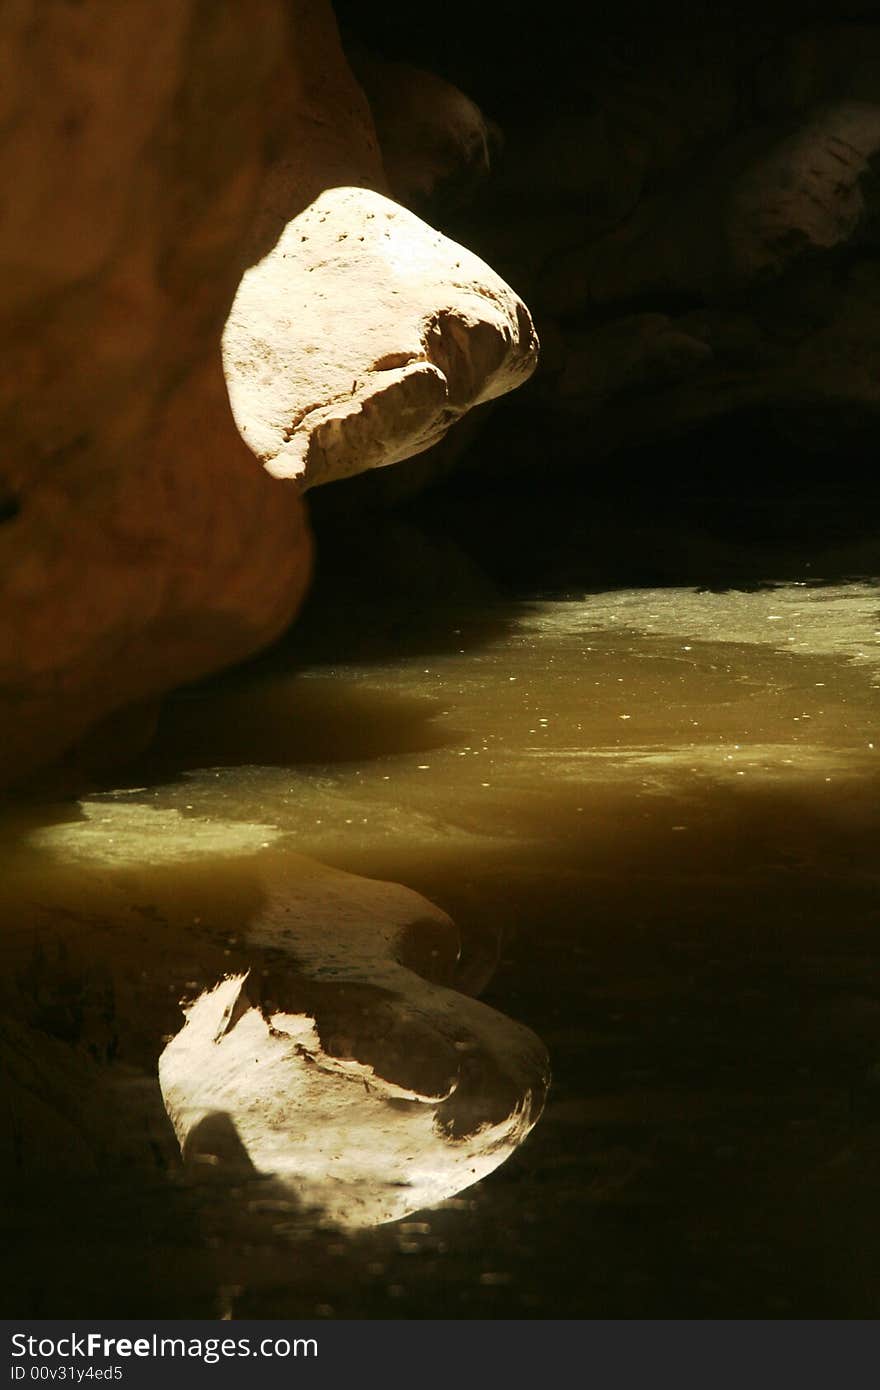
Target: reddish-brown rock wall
{"type": "Point", "coordinates": [142, 544]}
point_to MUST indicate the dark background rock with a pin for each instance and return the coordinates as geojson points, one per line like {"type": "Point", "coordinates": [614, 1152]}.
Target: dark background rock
{"type": "Point", "coordinates": [686, 197]}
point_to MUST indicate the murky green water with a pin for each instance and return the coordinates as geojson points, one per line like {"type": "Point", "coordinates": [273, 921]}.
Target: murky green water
{"type": "Point", "coordinates": [652, 815]}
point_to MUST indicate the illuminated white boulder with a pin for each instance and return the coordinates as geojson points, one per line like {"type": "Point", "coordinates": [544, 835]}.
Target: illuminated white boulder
{"type": "Point", "coordinates": [364, 335]}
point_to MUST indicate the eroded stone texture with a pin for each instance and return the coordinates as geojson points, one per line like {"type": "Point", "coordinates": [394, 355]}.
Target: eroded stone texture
{"type": "Point", "coordinates": [149, 151]}
{"type": "Point", "coordinates": [363, 336]}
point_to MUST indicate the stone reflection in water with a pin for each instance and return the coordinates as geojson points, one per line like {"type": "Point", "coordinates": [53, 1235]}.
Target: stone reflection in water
{"type": "Point", "coordinates": [360, 1149]}
{"type": "Point", "coordinates": [667, 798]}
{"type": "Point", "coordinates": [383, 1092]}
{"type": "Point", "coordinates": [335, 1061]}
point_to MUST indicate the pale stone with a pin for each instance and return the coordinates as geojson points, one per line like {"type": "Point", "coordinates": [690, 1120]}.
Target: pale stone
{"type": "Point", "coordinates": [363, 336]}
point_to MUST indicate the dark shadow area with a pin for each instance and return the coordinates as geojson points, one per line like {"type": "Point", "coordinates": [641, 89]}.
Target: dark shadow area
{"type": "Point", "coordinates": [281, 720]}
{"type": "Point", "coordinates": [512, 60]}
{"type": "Point", "coordinates": [388, 587]}
{"type": "Point", "coordinates": [719, 509]}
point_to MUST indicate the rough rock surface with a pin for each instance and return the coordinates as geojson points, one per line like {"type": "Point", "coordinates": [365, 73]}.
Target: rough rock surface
{"type": "Point", "coordinates": [696, 231]}
{"type": "Point", "coordinates": [771, 199]}
{"type": "Point", "coordinates": [155, 151]}
{"type": "Point", "coordinates": [141, 543]}
{"type": "Point", "coordinates": [363, 336]}
{"type": "Point", "coordinates": [436, 143]}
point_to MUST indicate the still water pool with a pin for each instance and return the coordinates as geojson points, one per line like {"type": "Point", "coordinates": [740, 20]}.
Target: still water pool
{"type": "Point", "coordinates": [652, 816]}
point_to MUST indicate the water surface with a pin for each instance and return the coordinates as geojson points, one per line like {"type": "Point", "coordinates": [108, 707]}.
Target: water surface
{"type": "Point", "coordinates": [652, 815]}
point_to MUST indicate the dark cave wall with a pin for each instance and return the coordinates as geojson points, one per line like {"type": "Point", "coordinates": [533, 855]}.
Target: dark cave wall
{"type": "Point", "coordinates": [686, 197]}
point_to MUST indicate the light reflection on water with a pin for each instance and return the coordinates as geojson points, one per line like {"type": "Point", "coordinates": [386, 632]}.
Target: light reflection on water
{"type": "Point", "coordinates": [600, 791]}
{"type": "Point", "coordinates": [649, 704]}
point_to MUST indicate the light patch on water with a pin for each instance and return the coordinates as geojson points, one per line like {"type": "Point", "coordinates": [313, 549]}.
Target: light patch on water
{"type": "Point", "coordinates": [835, 621]}
{"type": "Point", "coordinates": [566, 713]}
{"type": "Point", "coordinates": [769, 761]}
{"type": "Point", "coordinates": [120, 833]}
